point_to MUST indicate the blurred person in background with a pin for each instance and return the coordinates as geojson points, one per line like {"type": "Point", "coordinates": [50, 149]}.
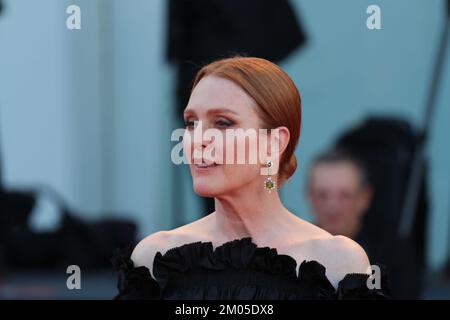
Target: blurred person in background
{"type": "Point", "coordinates": [340, 194]}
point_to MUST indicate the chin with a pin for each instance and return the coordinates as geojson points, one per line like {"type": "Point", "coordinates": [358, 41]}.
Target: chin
{"type": "Point", "coordinates": [207, 189]}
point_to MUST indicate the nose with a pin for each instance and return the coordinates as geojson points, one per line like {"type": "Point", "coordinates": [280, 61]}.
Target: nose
{"type": "Point", "coordinates": [332, 204]}
{"type": "Point", "coordinates": [201, 142]}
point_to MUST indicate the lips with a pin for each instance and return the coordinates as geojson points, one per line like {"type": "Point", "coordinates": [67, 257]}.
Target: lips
{"type": "Point", "coordinates": [205, 165]}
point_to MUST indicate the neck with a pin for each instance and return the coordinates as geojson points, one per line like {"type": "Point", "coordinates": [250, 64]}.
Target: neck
{"type": "Point", "coordinates": [250, 212]}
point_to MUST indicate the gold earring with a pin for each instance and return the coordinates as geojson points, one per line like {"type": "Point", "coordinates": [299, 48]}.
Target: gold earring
{"type": "Point", "coordinates": [269, 184]}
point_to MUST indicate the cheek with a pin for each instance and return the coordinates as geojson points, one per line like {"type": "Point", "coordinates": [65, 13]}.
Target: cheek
{"type": "Point", "coordinates": [316, 199]}
{"type": "Point", "coordinates": [314, 202]}
{"type": "Point", "coordinates": [241, 172]}
{"type": "Point", "coordinates": [251, 150]}
{"type": "Point", "coordinates": [357, 206]}
{"type": "Point", "coordinates": [321, 206]}
{"type": "Point", "coordinates": [239, 150]}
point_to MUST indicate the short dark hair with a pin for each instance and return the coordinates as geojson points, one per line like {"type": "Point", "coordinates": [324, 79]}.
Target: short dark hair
{"type": "Point", "coordinates": [341, 155]}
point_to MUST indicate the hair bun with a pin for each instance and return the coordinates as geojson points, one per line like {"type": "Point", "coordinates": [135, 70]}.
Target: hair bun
{"type": "Point", "coordinates": [287, 169]}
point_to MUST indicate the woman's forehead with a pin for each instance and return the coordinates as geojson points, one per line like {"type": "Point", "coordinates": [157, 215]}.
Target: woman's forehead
{"type": "Point", "coordinates": [213, 93]}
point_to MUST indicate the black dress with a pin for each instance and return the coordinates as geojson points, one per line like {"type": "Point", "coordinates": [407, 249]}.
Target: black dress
{"type": "Point", "coordinates": [236, 270]}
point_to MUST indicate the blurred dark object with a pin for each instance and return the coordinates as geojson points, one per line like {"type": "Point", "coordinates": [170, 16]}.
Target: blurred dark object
{"type": "Point", "coordinates": [387, 146]}
{"type": "Point", "coordinates": [88, 245]}
{"type": "Point", "coordinates": [201, 31]}
{"type": "Point", "coordinates": [14, 211]}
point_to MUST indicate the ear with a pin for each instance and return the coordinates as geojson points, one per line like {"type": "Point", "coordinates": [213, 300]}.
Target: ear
{"type": "Point", "coordinates": [278, 142]}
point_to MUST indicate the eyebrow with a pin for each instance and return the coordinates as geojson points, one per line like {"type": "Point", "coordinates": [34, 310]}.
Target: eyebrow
{"type": "Point", "coordinates": [211, 111]}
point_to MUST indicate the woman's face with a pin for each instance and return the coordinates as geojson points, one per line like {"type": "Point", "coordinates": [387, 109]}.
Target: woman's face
{"type": "Point", "coordinates": [221, 104]}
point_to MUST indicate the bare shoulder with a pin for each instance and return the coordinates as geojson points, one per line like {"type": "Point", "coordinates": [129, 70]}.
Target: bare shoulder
{"type": "Point", "coordinates": [340, 256]}
{"type": "Point", "coordinates": [350, 254]}
{"type": "Point", "coordinates": [145, 251]}
{"type": "Point", "coordinates": [161, 241]}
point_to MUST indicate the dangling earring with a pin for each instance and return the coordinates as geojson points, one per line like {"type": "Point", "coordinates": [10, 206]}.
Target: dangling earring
{"type": "Point", "coordinates": [269, 184]}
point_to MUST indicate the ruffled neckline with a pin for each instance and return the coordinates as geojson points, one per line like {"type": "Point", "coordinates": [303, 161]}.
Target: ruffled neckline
{"type": "Point", "coordinates": [242, 254]}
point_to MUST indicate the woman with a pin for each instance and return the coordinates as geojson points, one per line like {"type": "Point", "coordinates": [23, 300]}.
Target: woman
{"type": "Point", "coordinates": [251, 246]}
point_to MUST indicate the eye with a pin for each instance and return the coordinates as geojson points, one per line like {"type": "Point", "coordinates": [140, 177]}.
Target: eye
{"type": "Point", "coordinates": [224, 123]}
{"type": "Point", "coordinates": [322, 195]}
{"type": "Point", "coordinates": [190, 124]}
